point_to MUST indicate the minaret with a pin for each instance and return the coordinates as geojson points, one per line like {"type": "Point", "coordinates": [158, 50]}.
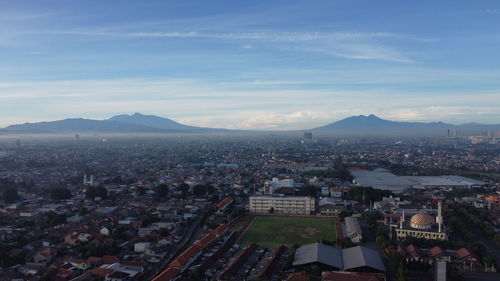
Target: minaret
{"type": "Point", "coordinates": [402, 220]}
{"type": "Point", "coordinates": [439, 218]}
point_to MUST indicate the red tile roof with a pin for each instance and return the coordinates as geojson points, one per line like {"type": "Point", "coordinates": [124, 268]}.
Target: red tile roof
{"type": "Point", "coordinates": [206, 240]}
{"type": "Point", "coordinates": [352, 276]}
{"type": "Point", "coordinates": [224, 203]}
{"type": "Point", "coordinates": [183, 259]}
{"type": "Point", "coordinates": [167, 275]}
{"type": "Point", "coordinates": [436, 251]}
{"type": "Point", "coordinates": [463, 253]}
{"type": "Point", "coordinates": [221, 229]}
{"type": "Point", "coordinates": [101, 271]}
{"type": "Point", "coordinates": [299, 276]}
{"type": "Point", "coordinates": [110, 259]}
{"type": "Point", "coordinates": [412, 251]}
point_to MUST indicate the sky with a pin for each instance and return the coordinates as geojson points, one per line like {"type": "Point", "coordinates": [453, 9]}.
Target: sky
{"type": "Point", "coordinates": [274, 65]}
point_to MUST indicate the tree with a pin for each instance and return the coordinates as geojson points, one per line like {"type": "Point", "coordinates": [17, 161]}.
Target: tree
{"type": "Point", "coordinates": [59, 193]}
{"type": "Point", "coordinates": [381, 241]}
{"type": "Point", "coordinates": [497, 238]}
{"type": "Point", "coordinates": [271, 211]}
{"type": "Point", "coordinates": [184, 189]}
{"type": "Point", "coordinates": [162, 190]}
{"type": "Point", "coordinates": [401, 271]}
{"type": "Point", "coordinates": [489, 261]}
{"type": "Point", "coordinates": [52, 219]}
{"type": "Point", "coordinates": [97, 191]}
{"type": "Point", "coordinates": [10, 195]}
{"type": "Point", "coordinates": [309, 190]}
{"type": "Point", "coordinates": [343, 214]}
{"type": "Point", "coordinates": [140, 190]}
{"type": "Point", "coordinates": [200, 189]}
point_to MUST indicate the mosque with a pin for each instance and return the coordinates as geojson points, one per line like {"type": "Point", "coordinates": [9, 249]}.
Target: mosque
{"type": "Point", "coordinates": [423, 226]}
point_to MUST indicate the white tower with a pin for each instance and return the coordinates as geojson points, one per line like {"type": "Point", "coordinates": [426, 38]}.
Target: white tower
{"type": "Point", "coordinates": [439, 218]}
{"type": "Point", "coordinates": [402, 220]}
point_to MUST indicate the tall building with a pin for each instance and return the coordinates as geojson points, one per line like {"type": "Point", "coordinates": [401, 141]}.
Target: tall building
{"type": "Point", "coordinates": [299, 205]}
{"type": "Point", "coordinates": [422, 226]}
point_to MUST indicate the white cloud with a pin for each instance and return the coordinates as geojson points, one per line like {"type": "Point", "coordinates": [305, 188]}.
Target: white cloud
{"type": "Point", "coordinates": [200, 102]}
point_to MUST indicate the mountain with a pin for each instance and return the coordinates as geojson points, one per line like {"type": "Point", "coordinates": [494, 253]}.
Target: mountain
{"type": "Point", "coordinates": [75, 125]}
{"type": "Point", "coordinates": [160, 123]}
{"type": "Point", "coordinates": [136, 123]}
{"type": "Point", "coordinates": [374, 125]}
{"type": "Point", "coordinates": [139, 123]}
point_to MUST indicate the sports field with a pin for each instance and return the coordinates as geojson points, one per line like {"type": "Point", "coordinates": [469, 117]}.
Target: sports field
{"type": "Point", "coordinates": [273, 231]}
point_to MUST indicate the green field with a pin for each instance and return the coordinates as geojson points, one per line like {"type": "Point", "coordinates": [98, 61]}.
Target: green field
{"type": "Point", "coordinates": [273, 231]}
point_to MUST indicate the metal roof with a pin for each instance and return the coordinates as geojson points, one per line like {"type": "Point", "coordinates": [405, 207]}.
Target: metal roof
{"type": "Point", "coordinates": [360, 256]}
{"type": "Point", "coordinates": [344, 259]}
{"type": "Point", "coordinates": [318, 252]}
{"type": "Point", "coordinates": [352, 225]}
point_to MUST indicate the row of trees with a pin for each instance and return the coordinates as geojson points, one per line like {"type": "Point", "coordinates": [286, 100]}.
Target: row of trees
{"type": "Point", "coordinates": [479, 218]}
{"type": "Point", "coordinates": [366, 195]}
{"type": "Point", "coordinates": [382, 239]}
{"type": "Point", "coordinates": [338, 170]}
{"type": "Point", "coordinates": [457, 222]}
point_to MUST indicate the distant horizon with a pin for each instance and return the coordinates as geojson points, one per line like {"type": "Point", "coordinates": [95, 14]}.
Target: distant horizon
{"type": "Point", "coordinates": [257, 129]}
{"type": "Point", "coordinates": [280, 65]}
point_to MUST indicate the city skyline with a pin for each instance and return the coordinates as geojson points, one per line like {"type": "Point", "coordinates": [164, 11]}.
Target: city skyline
{"type": "Point", "coordinates": [280, 65]}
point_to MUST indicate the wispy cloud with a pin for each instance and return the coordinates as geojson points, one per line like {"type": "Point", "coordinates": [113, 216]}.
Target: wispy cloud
{"type": "Point", "coordinates": [351, 45]}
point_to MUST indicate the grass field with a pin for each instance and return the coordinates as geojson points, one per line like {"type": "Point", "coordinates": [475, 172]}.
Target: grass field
{"type": "Point", "coordinates": [273, 231]}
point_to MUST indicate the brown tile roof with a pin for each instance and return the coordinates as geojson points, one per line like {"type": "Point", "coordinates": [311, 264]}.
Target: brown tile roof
{"type": "Point", "coordinates": [167, 275]}
{"type": "Point", "coordinates": [435, 251]}
{"type": "Point", "coordinates": [412, 251]}
{"type": "Point", "coordinates": [463, 253]}
{"type": "Point", "coordinates": [224, 203]}
{"type": "Point", "coordinates": [221, 229]}
{"type": "Point", "coordinates": [352, 276]}
{"type": "Point", "coordinates": [206, 240]}
{"type": "Point", "coordinates": [110, 259]}
{"type": "Point", "coordinates": [183, 259]}
{"type": "Point", "coordinates": [101, 271]}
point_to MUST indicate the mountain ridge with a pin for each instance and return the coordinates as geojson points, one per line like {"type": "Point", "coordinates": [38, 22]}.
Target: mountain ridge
{"type": "Point", "coordinates": [372, 124]}
{"type": "Point", "coordinates": [141, 123]}
{"type": "Point", "coordinates": [124, 123]}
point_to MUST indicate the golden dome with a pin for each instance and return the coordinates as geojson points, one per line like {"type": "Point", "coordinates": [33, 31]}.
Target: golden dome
{"type": "Point", "coordinates": [422, 219]}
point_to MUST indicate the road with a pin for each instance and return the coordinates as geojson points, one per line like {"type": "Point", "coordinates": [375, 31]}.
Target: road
{"type": "Point", "coordinates": [189, 238]}
{"type": "Point", "coordinates": [369, 242]}
{"type": "Point", "coordinates": [491, 247]}
{"type": "Point", "coordinates": [477, 276]}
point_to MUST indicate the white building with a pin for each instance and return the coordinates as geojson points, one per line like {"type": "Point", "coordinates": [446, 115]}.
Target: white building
{"type": "Point", "coordinates": [302, 205]}
{"type": "Point", "coordinates": [141, 247]}
{"type": "Point", "coordinates": [271, 186]}
{"type": "Point", "coordinates": [353, 230]}
{"type": "Point", "coordinates": [422, 226]}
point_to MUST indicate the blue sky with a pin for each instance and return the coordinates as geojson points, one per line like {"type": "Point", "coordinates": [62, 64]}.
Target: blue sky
{"type": "Point", "coordinates": [250, 64]}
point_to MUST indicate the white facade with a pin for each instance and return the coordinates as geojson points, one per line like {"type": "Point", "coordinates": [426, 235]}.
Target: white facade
{"type": "Point", "coordinates": [271, 186]}
{"type": "Point", "coordinates": [423, 227]}
{"type": "Point", "coordinates": [282, 205]}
